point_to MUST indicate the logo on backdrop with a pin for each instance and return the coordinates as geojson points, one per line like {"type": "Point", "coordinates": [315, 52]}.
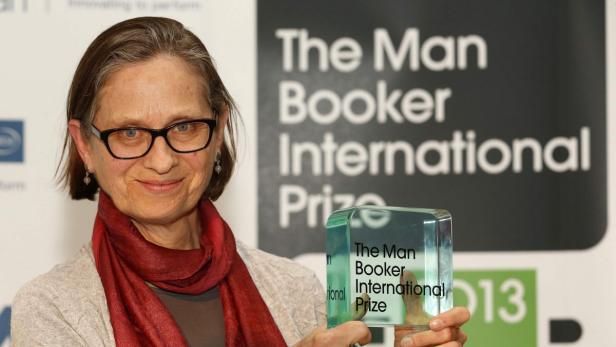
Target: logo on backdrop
{"type": "Point", "coordinates": [428, 104]}
{"type": "Point", "coordinates": [142, 5]}
{"type": "Point", "coordinates": [22, 5]}
{"type": "Point", "coordinates": [5, 324]}
{"type": "Point", "coordinates": [7, 5]}
{"type": "Point", "coordinates": [11, 141]}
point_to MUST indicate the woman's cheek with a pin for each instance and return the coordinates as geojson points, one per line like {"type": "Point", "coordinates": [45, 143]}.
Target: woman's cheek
{"type": "Point", "coordinates": [199, 182]}
{"type": "Point", "coordinates": [201, 175]}
{"type": "Point", "coordinates": [118, 178]}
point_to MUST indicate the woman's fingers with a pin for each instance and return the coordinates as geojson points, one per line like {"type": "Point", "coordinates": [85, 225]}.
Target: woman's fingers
{"type": "Point", "coordinates": [341, 336]}
{"type": "Point", "coordinates": [431, 338]}
{"type": "Point", "coordinates": [415, 314]}
{"type": "Point", "coordinates": [445, 331]}
{"type": "Point", "coordinates": [360, 310]}
{"type": "Point", "coordinates": [351, 332]}
{"type": "Point", "coordinates": [462, 337]}
{"type": "Point", "coordinates": [452, 318]}
{"type": "Point", "coordinates": [451, 344]}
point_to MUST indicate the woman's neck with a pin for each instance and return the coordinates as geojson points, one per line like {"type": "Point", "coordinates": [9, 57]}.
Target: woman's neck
{"type": "Point", "coordinates": [183, 234]}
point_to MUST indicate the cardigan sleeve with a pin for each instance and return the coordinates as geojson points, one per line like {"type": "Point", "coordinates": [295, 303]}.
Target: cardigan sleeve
{"type": "Point", "coordinates": [319, 307]}
{"type": "Point", "coordinates": [292, 292]}
{"type": "Point", "coordinates": [36, 320]}
{"type": "Point", "coordinates": [63, 307]}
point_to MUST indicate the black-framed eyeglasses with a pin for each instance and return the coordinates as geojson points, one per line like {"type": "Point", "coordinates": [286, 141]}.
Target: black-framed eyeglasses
{"type": "Point", "coordinates": [135, 142]}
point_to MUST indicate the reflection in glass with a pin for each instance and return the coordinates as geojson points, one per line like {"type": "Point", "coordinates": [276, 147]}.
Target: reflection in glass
{"type": "Point", "coordinates": [388, 265]}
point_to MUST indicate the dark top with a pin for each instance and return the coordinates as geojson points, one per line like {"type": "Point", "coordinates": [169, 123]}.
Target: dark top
{"type": "Point", "coordinates": [199, 317]}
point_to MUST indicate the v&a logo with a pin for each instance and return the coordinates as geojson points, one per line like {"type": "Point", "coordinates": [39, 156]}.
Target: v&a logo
{"type": "Point", "coordinates": [11, 141]}
{"type": "Point", "coordinates": [5, 325]}
{"type": "Point", "coordinates": [7, 5]}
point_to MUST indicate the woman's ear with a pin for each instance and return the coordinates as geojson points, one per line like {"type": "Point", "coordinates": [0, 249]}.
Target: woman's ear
{"type": "Point", "coordinates": [221, 127]}
{"type": "Point", "coordinates": [74, 129]}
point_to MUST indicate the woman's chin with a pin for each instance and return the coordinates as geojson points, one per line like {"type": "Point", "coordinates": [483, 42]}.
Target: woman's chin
{"type": "Point", "coordinates": [158, 211]}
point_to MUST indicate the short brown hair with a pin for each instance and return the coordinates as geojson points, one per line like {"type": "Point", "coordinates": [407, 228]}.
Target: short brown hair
{"type": "Point", "coordinates": [131, 41]}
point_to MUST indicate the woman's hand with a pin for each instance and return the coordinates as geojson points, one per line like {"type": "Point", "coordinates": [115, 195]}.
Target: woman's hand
{"type": "Point", "coordinates": [343, 335]}
{"type": "Point", "coordinates": [444, 331]}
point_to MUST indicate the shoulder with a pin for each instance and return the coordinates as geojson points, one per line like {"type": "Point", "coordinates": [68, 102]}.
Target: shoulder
{"type": "Point", "coordinates": [67, 279]}
{"type": "Point", "coordinates": [273, 265]}
{"type": "Point", "coordinates": [292, 292]}
{"type": "Point", "coordinates": [64, 306]}
{"type": "Point", "coordinates": [279, 275]}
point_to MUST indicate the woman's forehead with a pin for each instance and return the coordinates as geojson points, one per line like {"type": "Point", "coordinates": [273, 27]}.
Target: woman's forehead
{"type": "Point", "coordinates": [156, 92]}
{"type": "Point", "coordinates": [149, 120]}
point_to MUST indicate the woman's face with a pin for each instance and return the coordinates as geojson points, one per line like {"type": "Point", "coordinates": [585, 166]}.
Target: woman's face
{"type": "Point", "coordinates": [163, 186]}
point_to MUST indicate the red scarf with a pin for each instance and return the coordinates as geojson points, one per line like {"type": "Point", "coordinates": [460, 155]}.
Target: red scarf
{"type": "Point", "coordinates": [125, 260]}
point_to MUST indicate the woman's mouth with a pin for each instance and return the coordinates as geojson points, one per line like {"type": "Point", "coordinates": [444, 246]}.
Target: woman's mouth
{"type": "Point", "coordinates": [162, 186]}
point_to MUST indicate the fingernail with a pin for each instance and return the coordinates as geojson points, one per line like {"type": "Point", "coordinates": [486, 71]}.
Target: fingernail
{"type": "Point", "coordinates": [407, 342]}
{"type": "Point", "coordinates": [436, 324]}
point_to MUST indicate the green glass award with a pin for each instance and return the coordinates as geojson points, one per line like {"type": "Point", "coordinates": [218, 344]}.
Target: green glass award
{"type": "Point", "coordinates": [388, 266]}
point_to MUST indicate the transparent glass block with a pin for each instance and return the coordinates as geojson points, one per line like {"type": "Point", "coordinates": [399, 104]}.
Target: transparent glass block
{"type": "Point", "coordinates": [388, 266]}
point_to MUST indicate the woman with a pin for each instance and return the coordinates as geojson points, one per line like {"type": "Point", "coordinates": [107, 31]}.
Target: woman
{"type": "Point", "coordinates": [147, 115]}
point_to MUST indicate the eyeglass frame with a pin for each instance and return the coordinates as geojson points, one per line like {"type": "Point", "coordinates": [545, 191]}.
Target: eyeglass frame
{"type": "Point", "coordinates": [103, 135]}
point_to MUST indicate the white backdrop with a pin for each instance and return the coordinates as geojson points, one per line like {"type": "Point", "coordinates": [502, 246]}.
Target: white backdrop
{"type": "Point", "coordinates": [40, 45]}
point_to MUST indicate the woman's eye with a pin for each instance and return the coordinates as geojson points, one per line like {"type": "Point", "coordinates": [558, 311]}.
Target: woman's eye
{"type": "Point", "coordinates": [130, 133]}
{"type": "Point", "coordinates": [183, 127]}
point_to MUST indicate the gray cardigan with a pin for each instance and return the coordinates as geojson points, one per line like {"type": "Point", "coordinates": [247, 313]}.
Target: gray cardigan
{"type": "Point", "coordinates": [67, 306]}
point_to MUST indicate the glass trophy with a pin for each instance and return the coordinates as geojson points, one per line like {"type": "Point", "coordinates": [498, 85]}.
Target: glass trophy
{"type": "Point", "coordinates": [388, 266]}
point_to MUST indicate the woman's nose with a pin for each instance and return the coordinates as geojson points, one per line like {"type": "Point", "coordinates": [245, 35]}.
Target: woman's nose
{"type": "Point", "coordinates": [161, 158]}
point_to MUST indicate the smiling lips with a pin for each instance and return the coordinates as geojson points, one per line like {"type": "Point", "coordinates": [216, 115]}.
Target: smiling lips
{"type": "Point", "coordinates": [161, 186]}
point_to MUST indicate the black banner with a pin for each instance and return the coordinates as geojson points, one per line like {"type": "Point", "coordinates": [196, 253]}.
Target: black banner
{"type": "Point", "coordinates": [495, 111]}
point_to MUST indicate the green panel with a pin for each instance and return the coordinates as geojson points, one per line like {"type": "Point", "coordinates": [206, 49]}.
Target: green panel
{"type": "Point", "coordinates": [505, 307]}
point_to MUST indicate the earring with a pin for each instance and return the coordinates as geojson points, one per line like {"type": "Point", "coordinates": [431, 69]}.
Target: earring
{"type": "Point", "coordinates": [87, 179]}
{"type": "Point", "coordinates": [217, 164]}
